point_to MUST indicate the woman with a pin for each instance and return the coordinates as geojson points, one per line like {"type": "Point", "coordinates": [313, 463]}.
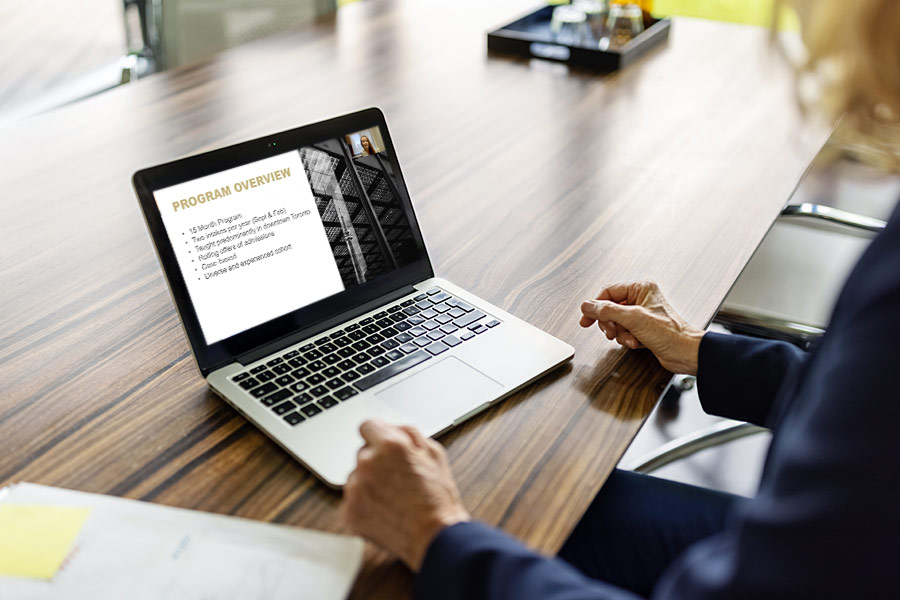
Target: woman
{"type": "Point", "coordinates": [368, 149]}
{"type": "Point", "coordinates": [825, 522]}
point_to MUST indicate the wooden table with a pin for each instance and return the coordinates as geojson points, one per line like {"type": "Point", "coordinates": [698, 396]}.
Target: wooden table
{"type": "Point", "coordinates": [534, 186]}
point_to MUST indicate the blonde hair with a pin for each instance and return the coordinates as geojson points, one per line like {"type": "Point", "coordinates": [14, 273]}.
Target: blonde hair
{"type": "Point", "coordinates": [853, 57]}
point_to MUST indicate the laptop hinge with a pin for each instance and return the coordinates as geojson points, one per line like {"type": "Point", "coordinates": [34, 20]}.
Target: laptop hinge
{"type": "Point", "coordinates": [272, 347]}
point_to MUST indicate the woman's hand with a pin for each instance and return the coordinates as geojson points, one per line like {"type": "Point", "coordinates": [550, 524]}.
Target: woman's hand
{"type": "Point", "coordinates": [637, 315]}
{"type": "Point", "coordinates": [402, 493]}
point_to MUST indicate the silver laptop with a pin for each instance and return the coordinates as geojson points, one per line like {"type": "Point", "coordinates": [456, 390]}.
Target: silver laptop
{"type": "Point", "coordinates": [301, 278]}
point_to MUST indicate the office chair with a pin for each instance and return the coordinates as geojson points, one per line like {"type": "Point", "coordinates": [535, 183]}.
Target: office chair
{"type": "Point", "coordinates": [785, 292]}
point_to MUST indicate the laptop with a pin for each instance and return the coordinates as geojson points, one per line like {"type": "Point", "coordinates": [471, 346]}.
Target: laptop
{"type": "Point", "coordinates": [307, 296]}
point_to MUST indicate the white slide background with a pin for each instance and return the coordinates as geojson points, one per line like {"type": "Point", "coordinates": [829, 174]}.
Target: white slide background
{"type": "Point", "coordinates": [246, 295]}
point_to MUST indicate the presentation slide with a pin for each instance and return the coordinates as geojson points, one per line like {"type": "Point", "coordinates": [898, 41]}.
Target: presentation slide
{"type": "Point", "coordinates": [250, 244]}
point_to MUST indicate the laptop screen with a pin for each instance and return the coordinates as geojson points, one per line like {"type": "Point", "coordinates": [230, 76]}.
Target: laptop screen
{"type": "Point", "coordinates": [266, 238]}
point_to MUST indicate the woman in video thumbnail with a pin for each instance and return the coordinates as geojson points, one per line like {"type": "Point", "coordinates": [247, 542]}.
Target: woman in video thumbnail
{"type": "Point", "coordinates": [368, 148]}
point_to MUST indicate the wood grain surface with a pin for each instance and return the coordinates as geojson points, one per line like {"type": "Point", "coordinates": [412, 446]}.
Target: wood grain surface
{"type": "Point", "coordinates": [533, 185]}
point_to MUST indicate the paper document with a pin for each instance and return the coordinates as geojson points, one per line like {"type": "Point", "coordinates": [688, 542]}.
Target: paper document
{"type": "Point", "coordinates": [77, 546]}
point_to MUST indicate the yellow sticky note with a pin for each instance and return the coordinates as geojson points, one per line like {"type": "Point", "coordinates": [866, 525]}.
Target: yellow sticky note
{"type": "Point", "coordinates": [34, 540]}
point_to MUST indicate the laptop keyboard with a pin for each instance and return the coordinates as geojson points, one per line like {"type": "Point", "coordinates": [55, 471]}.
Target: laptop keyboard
{"type": "Point", "coordinates": [333, 368]}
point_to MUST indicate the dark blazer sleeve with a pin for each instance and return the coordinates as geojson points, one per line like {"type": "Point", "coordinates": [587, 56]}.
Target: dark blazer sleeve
{"type": "Point", "coordinates": [476, 562]}
{"type": "Point", "coordinates": [738, 377]}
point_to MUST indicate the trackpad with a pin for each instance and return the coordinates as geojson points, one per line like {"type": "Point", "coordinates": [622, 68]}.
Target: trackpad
{"type": "Point", "coordinates": [435, 397]}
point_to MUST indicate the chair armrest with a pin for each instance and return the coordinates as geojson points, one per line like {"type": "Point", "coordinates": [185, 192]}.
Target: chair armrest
{"type": "Point", "coordinates": [833, 215]}
{"type": "Point", "coordinates": [690, 444]}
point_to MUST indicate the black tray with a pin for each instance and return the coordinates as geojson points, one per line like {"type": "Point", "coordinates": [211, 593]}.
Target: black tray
{"type": "Point", "coordinates": [530, 36]}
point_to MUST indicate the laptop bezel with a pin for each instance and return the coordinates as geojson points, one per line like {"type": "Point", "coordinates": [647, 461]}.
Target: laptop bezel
{"type": "Point", "coordinates": [209, 357]}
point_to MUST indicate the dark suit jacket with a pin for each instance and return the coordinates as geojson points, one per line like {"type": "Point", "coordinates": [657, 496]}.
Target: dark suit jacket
{"type": "Point", "coordinates": [824, 523]}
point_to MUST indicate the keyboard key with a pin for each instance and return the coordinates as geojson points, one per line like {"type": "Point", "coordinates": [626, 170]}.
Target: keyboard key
{"type": "Point", "coordinates": [460, 305]}
{"type": "Point", "coordinates": [300, 373]}
{"type": "Point", "coordinates": [346, 364]}
{"type": "Point", "coordinates": [367, 320]}
{"type": "Point", "coordinates": [331, 359]}
{"type": "Point", "coordinates": [361, 345]}
{"type": "Point", "coordinates": [409, 302]}
{"type": "Point", "coordinates": [404, 337]}
{"type": "Point", "coordinates": [394, 355]}
{"type": "Point", "coordinates": [275, 361]}
{"type": "Point", "coordinates": [249, 383]}
{"type": "Point", "coordinates": [440, 297]}
{"type": "Point", "coordinates": [281, 369]}
{"type": "Point", "coordinates": [428, 314]}
{"type": "Point", "coordinates": [436, 334]}
{"type": "Point", "coordinates": [420, 297]}
{"type": "Point", "coordinates": [365, 368]}
{"type": "Point", "coordinates": [411, 310]}
{"type": "Point", "coordinates": [456, 312]}
{"type": "Point", "coordinates": [284, 407]}
{"type": "Point", "coordinates": [258, 369]}
{"type": "Point", "coordinates": [437, 347]}
{"type": "Point", "coordinates": [303, 399]}
{"type": "Point", "coordinates": [331, 372]}
{"type": "Point", "coordinates": [403, 326]}
{"type": "Point", "coordinates": [390, 344]}
{"type": "Point", "coordinates": [319, 390]}
{"type": "Point", "coordinates": [442, 308]}
{"type": "Point", "coordinates": [312, 355]}
{"type": "Point", "coordinates": [389, 332]}
{"type": "Point", "coordinates": [380, 362]}
{"type": "Point", "coordinates": [328, 402]}
{"type": "Point", "coordinates": [307, 348]}
{"type": "Point", "coordinates": [373, 328]}
{"type": "Point", "coordinates": [315, 379]}
{"type": "Point", "coordinates": [329, 347]}
{"type": "Point", "coordinates": [293, 418]}
{"type": "Point", "coordinates": [443, 319]}
{"type": "Point", "coordinates": [353, 327]}
{"type": "Point", "coordinates": [240, 376]}
{"type": "Point", "coordinates": [310, 410]}
{"type": "Point", "coordinates": [449, 328]}
{"type": "Point", "coordinates": [292, 354]}
{"type": "Point", "coordinates": [375, 351]}
{"type": "Point", "coordinates": [342, 341]}
{"type": "Point", "coordinates": [284, 380]}
{"type": "Point", "coordinates": [277, 397]}
{"type": "Point", "coordinates": [466, 335]}
{"type": "Point", "coordinates": [334, 384]}
{"type": "Point", "coordinates": [433, 291]}
{"type": "Point", "coordinates": [316, 365]}
{"type": "Point", "coordinates": [409, 348]}
{"type": "Point", "coordinates": [469, 318]}
{"type": "Point", "coordinates": [423, 304]}
{"type": "Point", "coordinates": [361, 358]}
{"type": "Point", "coordinates": [394, 308]}
{"type": "Point", "coordinates": [336, 334]}
{"type": "Point", "coordinates": [299, 387]}
{"type": "Point", "coordinates": [265, 376]}
{"type": "Point", "coordinates": [345, 393]}
{"type": "Point", "coordinates": [346, 352]}
{"type": "Point", "coordinates": [493, 323]}
{"type": "Point", "coordinates": [478, 328]}
{"type": "Point", "coordinates": [321, 341]}
{"type": "Point", "coordinates": [357, 335]}
{"type": "Point", "coordinates": [350, 376]}
{"type": "Point", "coordinates": [422, 341]}
{"type": "Point", "coordinates": [389, 371]}
{"type": "Point", "coordinates": [398, 317]}
{"type": "Point", "coordinates": [429, 325]}
{"type": "Point", "coordinates": [375, 338]}
{"type": "Point", "coordinates": [384, 323]}
{"type": "Point", "coordinates": [297, 362]}
{"type": "Point", "coordinates": [452, 340]}
{"type": "Point", "coordinates": [266, 388]}
{"type": "Point", "coordinates": [416, 320]}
